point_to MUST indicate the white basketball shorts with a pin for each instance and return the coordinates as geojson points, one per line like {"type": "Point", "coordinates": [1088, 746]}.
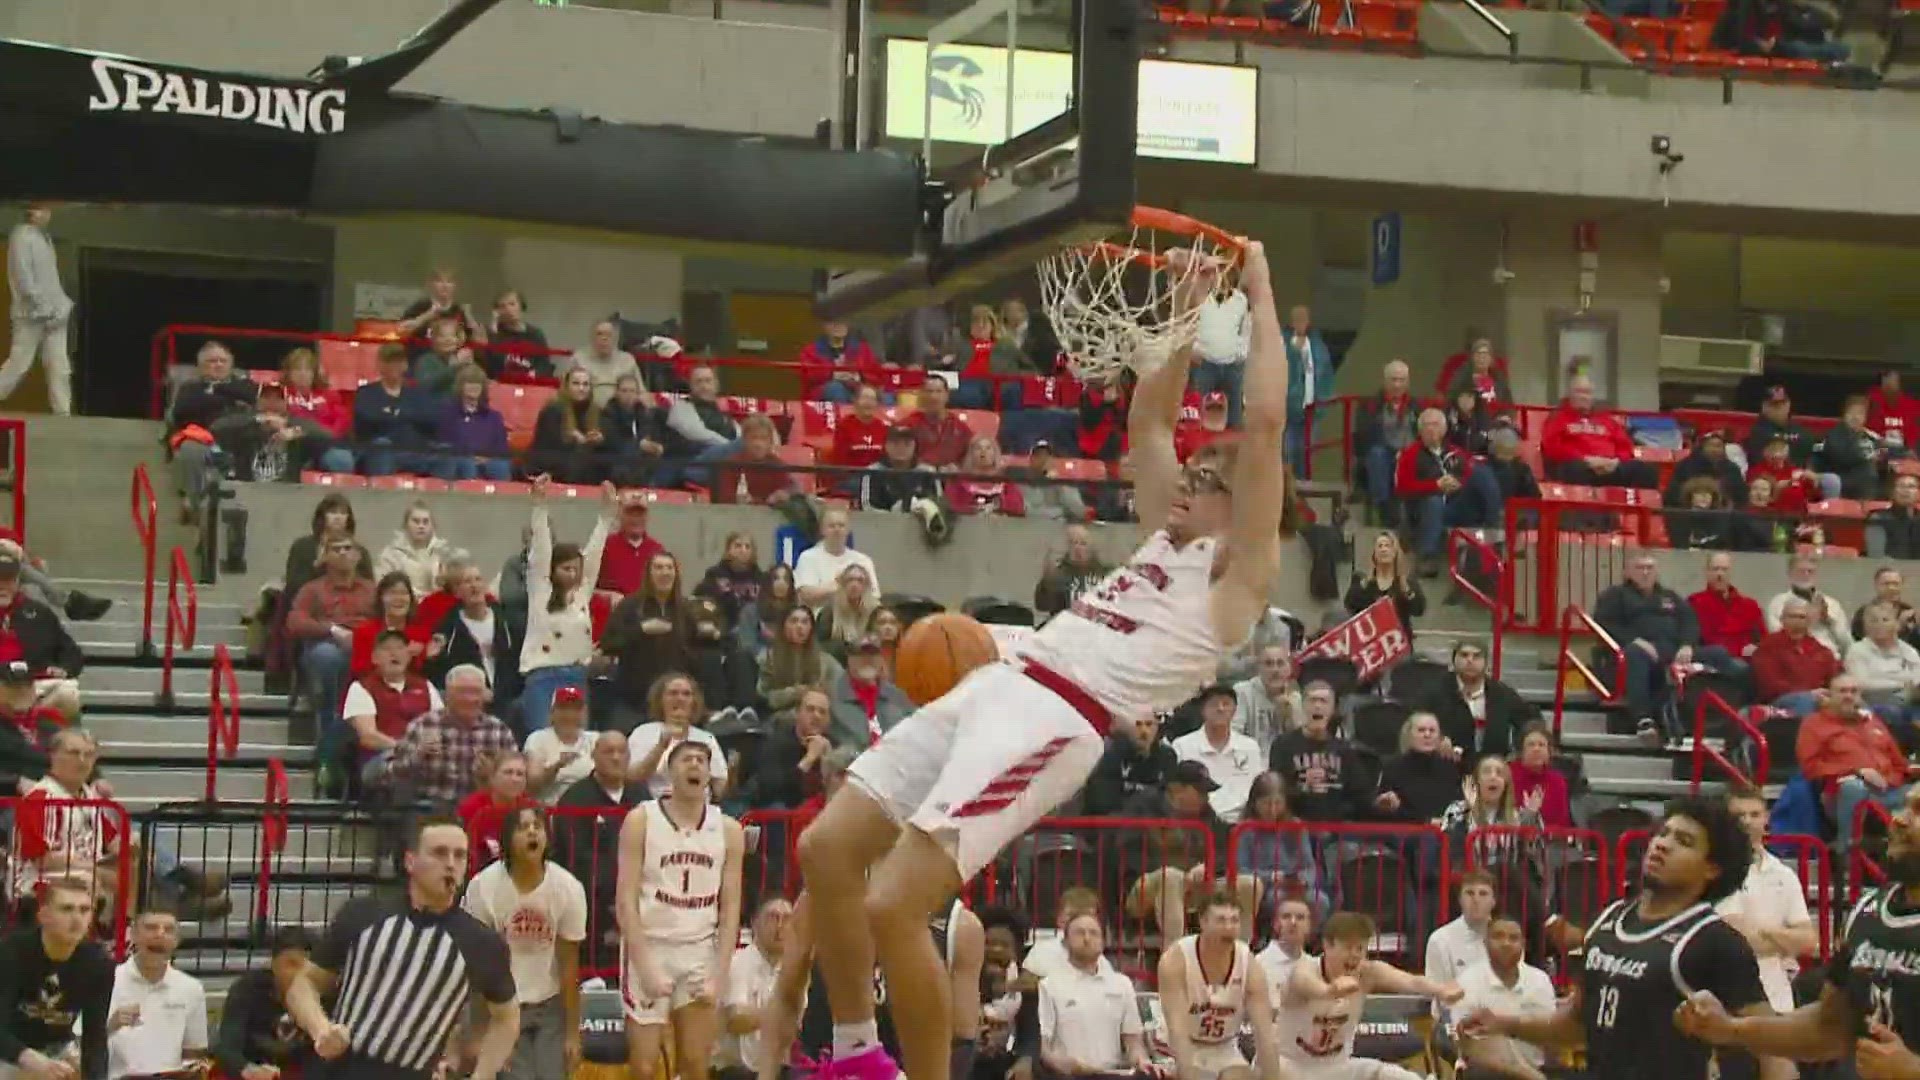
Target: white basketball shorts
{"type": "Point", "coordinates": [977, 768]}
{"type": "Point", "coordinates": [685, 964]}
{"type": "Point", "coordinates": [1212, 1059]}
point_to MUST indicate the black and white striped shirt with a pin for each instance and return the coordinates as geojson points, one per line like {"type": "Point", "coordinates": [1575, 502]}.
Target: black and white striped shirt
{"type": "Point", "coordinates": [404, 977]}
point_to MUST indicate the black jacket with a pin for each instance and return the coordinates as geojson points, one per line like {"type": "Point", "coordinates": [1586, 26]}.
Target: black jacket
{"type": "Point", "coordinates": [255, 1028]}
{"type": "Point", "coordinates": [21, 757]}
{"type": "Point", "coordinates": [205, 403]}
{"type": "Point", "coordinates": [1755, 531]}
{"type": "Point", "coordinates": [1893, 533]}
{"type": "Point", "coordinates": [589, 845]}
{"type": "Point", "coordinates": [778, 783]}
{"type": "Point", "coordinates": [1426, 783]}
{"type": "Point", "coordinates": [644, 657]}
{"type": "Point", "coordinates": [1800, 441]}
{"type": "Point", "coordinates": [1364, 591]}
{"type": "Point", "coordinates": [1711, 530]}
{"type": "Point", "coordinates": [727, 674]}
{"type": "Point", "coordinates": [1733, 486]}
{"type": "Point", "coordinates": [1346, 789]}
{"type": "Point", "coordinates": [1507, 714]}
{"type": "Point", "coordinates": [461, 648]}
{"type": "Point", "coordinates": [43, 640]}
{"type": "Point", "coordinates": [1516, 478]}
{"type": "Point", "coordinates": [1375, 424]}
{"type": "Point", "coordinates": [1853, 456]}
{"type": "Point", "coordinates": [1662, 617]}
{"type": "Point", "coordinates": [731, 589]}
{"type": "Point", "coordinates": [624, 427]}
{"type": "Point", "coordinates": [1124, 771]}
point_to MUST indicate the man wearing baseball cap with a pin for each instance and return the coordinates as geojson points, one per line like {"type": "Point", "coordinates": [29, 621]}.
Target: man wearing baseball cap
{"type": "Point", "coordinates": [46, 647]}
{"type": "Point", "coordinates": [25, 724]}
{"type": "Point", "coordinates": [1168, 867]}
{"type": "Point", "coordinates": [1776, 421]}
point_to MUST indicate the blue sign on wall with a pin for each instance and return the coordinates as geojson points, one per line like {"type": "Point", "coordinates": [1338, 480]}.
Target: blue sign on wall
{"type": "Point", "coordinates": [1386, 248]}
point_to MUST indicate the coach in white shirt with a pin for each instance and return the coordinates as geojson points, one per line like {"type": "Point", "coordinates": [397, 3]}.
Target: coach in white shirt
{"type": "Point", "coordinates": [1292, 925]}
{"type": "Point", "coordinates": [1462, 943]}
{"type": "Point", "coordinates": [1221, 342]}
{"type": "Point", "coordinates": [158, 1019]}
{"type": "Point", "coordinates": [1506, 984]}
{"type": "Point", "coordinates": [750, 984]}
{"type": "Point", "coordinates": [1231, 757]}
{"type": "Point", "coordinates": [1089, 1018]}
{"type": "Point", "coordinates": [1770, 908]}
{"type": "Point", "coordinates": [816, 574]}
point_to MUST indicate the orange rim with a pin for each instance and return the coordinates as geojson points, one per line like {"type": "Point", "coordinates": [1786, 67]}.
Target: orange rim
{"type": "Point", "coordinates": [1151, 217]}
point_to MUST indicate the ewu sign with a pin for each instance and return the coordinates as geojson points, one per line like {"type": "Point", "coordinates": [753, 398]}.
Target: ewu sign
{"type": "Point", "coordinates": [124, 86]}
{"type": "Point", "coordinates": [1374, 640]}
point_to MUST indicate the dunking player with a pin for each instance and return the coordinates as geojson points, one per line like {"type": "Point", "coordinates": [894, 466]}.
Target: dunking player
{"type": "Point", "coordinates": [1869, 1009]}
{"type": "Point", "coordinates": [1646, 954]}
{"type": "Point", "coordinates": [799, 1012]}
{"type": "Point", "coordinates": [958, 780]}
{"type": "Point", "coordinates": [678, 906]}
{"type": "Point", "coordinates": [1204, 1015]}
{"type": "Point", "coordinates": [1325, 997]}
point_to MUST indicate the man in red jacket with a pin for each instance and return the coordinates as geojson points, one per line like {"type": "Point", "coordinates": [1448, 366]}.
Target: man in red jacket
{"type": "Point", "coordinates": [1848, 753]}
{"type": "Point", "coordinates": [1582, 444]}
{"type": "Point", "coordinates": [1791, 668]}
{"type": "Point", "coordinates": [1441, 487]}
{"type": "Point", "coordinates": [1891, 414]}
{"type": "Point", "coordinates": [1728, 617]}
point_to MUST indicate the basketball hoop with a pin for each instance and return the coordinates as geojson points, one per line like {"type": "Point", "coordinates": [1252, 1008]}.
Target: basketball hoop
{"type": "Point", "coordinates": [1113, 306]}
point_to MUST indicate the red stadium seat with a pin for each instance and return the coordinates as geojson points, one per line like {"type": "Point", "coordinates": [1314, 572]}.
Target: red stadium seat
{"type": "Point", "coordinates": [406, 483]}
{"type": "Point", "coordinates": [1838, 508]}
{"type": "Point", "coordinates": [1080, 470]}
{"type": "Point", "coordinates": [983, 424]}
{"type": "Point", "coordinates": [493, 487]}
{"type": "Point", "coordinates": [813, 424]}
{"type": "Point", "coordinates": [667, 495]}
{"type": "Point", "coordinates": [1827, 551]}
{"type": "Point", "coordinates": [348, 364]}
{"type": "Point", "coordinates": [520, 407]}
{"type": "Point", "coordinates": [329, 479]}
{"type": "Point", "coordinates": [264, 376]}
{"type": "Point", "coordinates": [800, 455]}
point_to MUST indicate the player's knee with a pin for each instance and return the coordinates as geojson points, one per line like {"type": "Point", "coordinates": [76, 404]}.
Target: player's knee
{"type": "Point", "coordinates": [817, 859]}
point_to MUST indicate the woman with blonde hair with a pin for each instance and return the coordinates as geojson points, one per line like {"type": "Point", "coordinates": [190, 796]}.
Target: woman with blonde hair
{"type": "Point", "coordinates": [976, 491]}
{"type": "Point", "coordinates": [308, 397]}
{"type": "Point", "coordinates": [1389, 575]}
{"type": "Point", "coordinates": [1423, 779]}
{"type": "Point", "coordinates": [416, 550]}
{"type": "Point", "coordinates": [566, 436]}
{"type": "Point", "coordinates": [1503, 832]}
{"type": "Point", "coordinates": [849, 616]}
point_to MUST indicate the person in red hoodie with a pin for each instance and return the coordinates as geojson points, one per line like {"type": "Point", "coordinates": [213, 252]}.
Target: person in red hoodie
{"type": "Point", "coordinates": [1440, 486]}
{"type": "Point", "coordinates": [1582, 444]}
{"type": "Point", "coordinates": [860, 436]}
{"type": "Point", "coordinates": [1848, 753]}
{"type": "Point", "coordinates": [1728, 617]}
{"type": "Point", "coordinates": [1891, 414]}
{"type": "Point", "coordinates": [309, 396]}
{"type": "Point", "coordinates": [834, 365]}
{"type": "Point", "coordinates": [1791, 666]}
{"type": "Point", "coordinates": [1793, 487]}
{"type": "Point", "coordinates": [504, 792]}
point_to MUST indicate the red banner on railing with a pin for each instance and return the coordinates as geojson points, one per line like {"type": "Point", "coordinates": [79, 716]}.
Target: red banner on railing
{"type": "Point", "coordinates": [1374, 640]}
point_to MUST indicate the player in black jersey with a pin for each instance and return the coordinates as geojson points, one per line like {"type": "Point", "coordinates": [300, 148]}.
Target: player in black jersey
{"type": "Point", "coordinates": [798, 1013]}
{"type": "Point", "coordinates": [1869, 1009]}
{"type": "Point", "coordinates": [1645, 955]}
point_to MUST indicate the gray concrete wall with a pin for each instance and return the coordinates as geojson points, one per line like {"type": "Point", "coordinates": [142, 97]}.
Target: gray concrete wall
{"type": "Point", "coordinates": [988, 557]}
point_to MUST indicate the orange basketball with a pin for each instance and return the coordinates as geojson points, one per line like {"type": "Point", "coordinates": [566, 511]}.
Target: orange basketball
{"type": "Point", "coordinates": [938, 651]}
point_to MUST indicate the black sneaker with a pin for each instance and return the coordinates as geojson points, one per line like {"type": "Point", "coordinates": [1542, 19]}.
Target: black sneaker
{"type": "Point", "coordinates": [83, 608]}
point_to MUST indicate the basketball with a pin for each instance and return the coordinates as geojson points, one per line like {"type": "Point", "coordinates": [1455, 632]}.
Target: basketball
{"type": "Point", "coordinates": [938, 651]}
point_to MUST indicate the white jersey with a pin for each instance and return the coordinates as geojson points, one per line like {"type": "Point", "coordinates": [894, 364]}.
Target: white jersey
{"type": "Point", "coordinates": [1318, 1032]}
{"type": "Point", "coordinates": [680, 882]}
{"type": "Point", "coordinates": [1216, 1010]}
{"type": "Point", "coordinates": [1142, 640]}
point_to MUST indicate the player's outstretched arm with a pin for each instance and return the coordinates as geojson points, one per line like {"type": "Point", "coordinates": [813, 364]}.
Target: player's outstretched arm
{"type": "Point", "coordinates": [1266, 1032]}
{"type": "Point", "coordinates": [1174, 1004]}
{"type": "Point", "coordinates": [1260, 488]}
{"type": "Point", "coordinates": [1562, 1028]}
{"type": "Point", "coordinates": [1821, 1031]}
{"type": "Point", "coordinates": [1387, 979]}
{"type": "Point", "coordinates": [1155, 410]}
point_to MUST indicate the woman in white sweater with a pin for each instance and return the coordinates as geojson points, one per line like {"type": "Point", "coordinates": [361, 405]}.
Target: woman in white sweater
{"type": "Point", "coordinates": [1887, 668]}
{"type": "Point", "coordinates": [560, 578]}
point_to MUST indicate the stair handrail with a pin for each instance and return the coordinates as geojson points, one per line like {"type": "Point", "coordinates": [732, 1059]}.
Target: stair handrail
{"type": "Point", "coordinates": [1859, 863]}
{"type": "Point", "coordinates": [1573, 616]}
{"type": "Point", "coordinates": [1468, 539]}
{"type": "Point", "coordinates": [15, 432]}
{"type": "Point", "coordinates": [147, 530]}
{"type": "Point", "coordinates": [1702, 753]}
{"type": "Point", "coordinates": [183, 622]}
{"type": "Point", "coordinates": [223, 715]}
{"type": "Point", "coordinates": [273, 836]}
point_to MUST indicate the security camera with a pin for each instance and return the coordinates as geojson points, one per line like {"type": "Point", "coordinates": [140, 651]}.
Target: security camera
{"type": "Point", "coordinates": [1662, 148]}
{"type": "Point", "coordinates": [1662, 145]}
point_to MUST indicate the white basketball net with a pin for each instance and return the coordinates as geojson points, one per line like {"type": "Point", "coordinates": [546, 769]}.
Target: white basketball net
{"type": "Point", "coordinates": [1112, 305]}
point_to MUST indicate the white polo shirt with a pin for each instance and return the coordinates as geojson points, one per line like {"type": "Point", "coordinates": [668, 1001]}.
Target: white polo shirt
{"type": "Point", "coordinates": [173, 1020]}
{"type": "Point", "coordinates": [1531, 995]}
{"type": "Point", "coordinates": [1278, 966]}
{"type": "Point", "coordinates": [1085, 1015]}
{"type": "Point", "coordinates": [819, 568]}
{"type": "Point", "coordinates": [1451, 950]}
{"type": "Point", "coordinates": [1773, 897]}
{"type": "Point", "coordinates": [1233, 768]}
{"type": "Point", "coordinates": [749, 985]}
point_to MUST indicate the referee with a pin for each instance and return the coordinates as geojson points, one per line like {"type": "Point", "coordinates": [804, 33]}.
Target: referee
{"type": "Point", "coordinates": [404, 967]}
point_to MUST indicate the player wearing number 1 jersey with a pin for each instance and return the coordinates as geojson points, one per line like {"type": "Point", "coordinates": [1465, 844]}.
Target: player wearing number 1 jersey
{"type": "Point", "coordinates": [1326, 995]}
{"type": "Point", "coordinates": [678, 906]}
{"type": "Point", "coordinates": [949, 787]}
{"type": "Point", "coordinates": [1647, 954]}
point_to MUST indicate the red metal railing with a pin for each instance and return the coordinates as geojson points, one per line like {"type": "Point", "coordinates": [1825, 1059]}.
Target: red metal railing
{"type": "Point", "coordinates": [1703, 753]}
{"type": "Point", "coordinates": [1807, 855]}
{"type": "Point", "coordinates": [56, 838]}
{"type": "Point", "coordinates": [1573, 617]}
{"type": "Point", "coordinates": [273, 837]}
{"type": "Point", "coordinates": [223, 716]}
{"type": "Point", "coordinates": [15, 432]}
{"type": "Point", "coordinates": [1860, 865]}
{"type": "Point", "coordinates": [147, 528]}
{"type": "Point", "coordinates": [1384, 870]}
{"type": "Point", "coordinates": [1540, 872]}
{"type": "Point", "coordinates": [1497, 605]}
{"type": "Point", "coordinates": [183, 621]}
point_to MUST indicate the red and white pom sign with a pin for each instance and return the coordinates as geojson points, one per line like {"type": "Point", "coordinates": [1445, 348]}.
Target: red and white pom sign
{"type": "Point", "coordinates": [1374, 640]}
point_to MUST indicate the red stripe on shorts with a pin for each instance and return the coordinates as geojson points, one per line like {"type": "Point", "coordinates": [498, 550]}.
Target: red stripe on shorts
{"type": "Point", "coordinates": [1002, 790]}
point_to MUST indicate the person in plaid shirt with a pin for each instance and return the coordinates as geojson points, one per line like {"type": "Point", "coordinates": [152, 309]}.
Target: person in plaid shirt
{"type": "Point", "coordinates": [441, 750]}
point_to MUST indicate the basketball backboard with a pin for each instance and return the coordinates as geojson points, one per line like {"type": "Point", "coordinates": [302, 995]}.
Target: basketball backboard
{"type": "Point", "coordinates": [1024, 126]}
